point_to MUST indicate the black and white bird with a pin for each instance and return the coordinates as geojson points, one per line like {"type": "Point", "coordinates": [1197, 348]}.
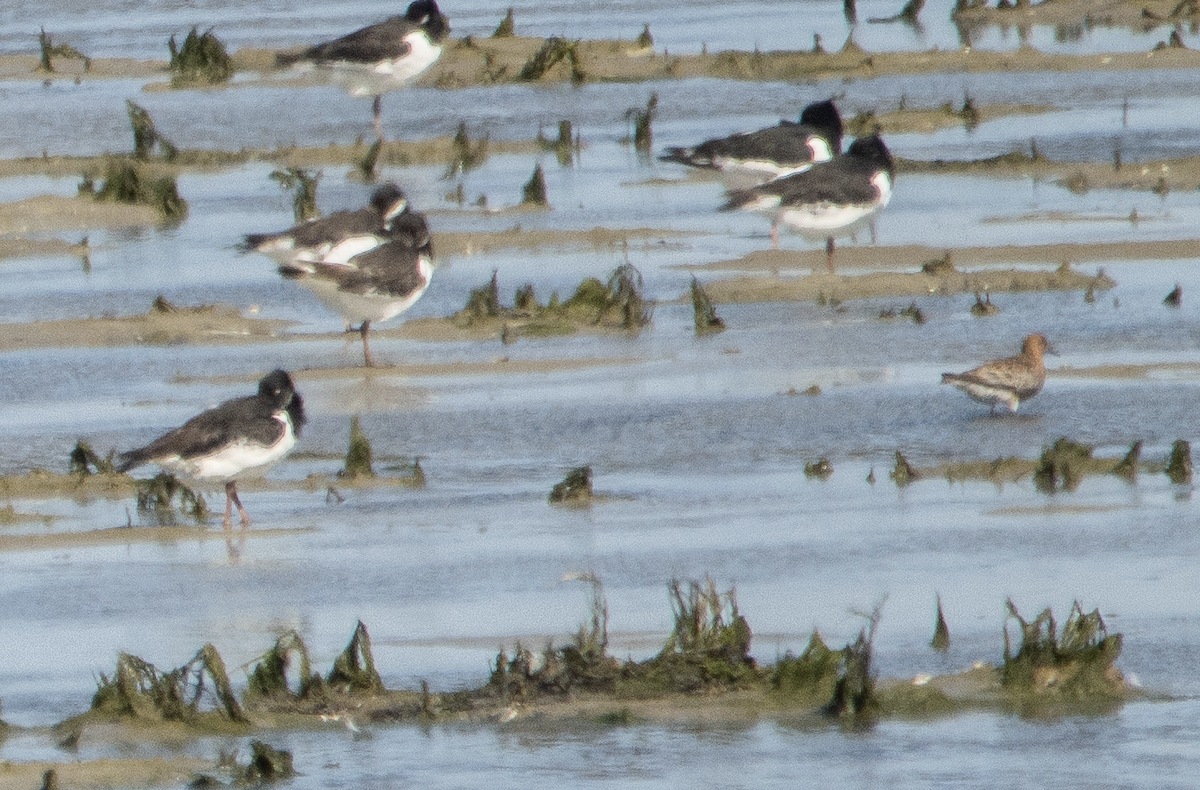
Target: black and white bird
{"type": "Point", "coordinates": [370, 277]}
{"type": "Point", "coordinates": [239, 438]}
{"type": "Point", "coordinates": [773, 152]}
{"type": "Point", "coordinates": [382, 57]}
{"type": "Point", "coordinates": [313, 240]}
{"type": "Point", "coordinates": [834, 198]}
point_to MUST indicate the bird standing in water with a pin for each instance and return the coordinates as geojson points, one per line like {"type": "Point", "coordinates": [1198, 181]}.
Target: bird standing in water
{"type": "Point", "coordinates": [240, 437]}
{"type": "Point", "coordinates": [382, 57]}
{"type": "Point", "coordinates": [1010, 381]}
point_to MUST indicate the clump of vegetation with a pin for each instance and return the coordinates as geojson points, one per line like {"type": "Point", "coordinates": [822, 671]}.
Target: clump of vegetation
{"type": "Point", "coordinates": [584, 664]}
{"type": "Point", "coordinates": [139, 690]}
{"type": "Point", "coordinates": [50, 50]}
{"type": "Point", "coordinates": [1079, 665]}
{"type": "Point", "coordinates": [553, 51]}
{"type": "Point", "coordinates": [575, 488]}
{"type": "Point", "coordinates": [812, 675]}
{"type": "Point", "coordinates": [466, 156]}
{"type": "Point", "coordinates": [84, 462]}
{"type": "Point", "coordinates": [820, 469]}
{"type": "Point", "coordinates": [125, 182]}
{"type": "Point", "coordinates": [902, 472]}
{"type": "Point", "coordinates": [623, 293]}
{"type": "Point", "coordinates": [643, 120]}
{"type": "Point", "coordinates": [146, 136]}
{"type": "Point", "coordinates": [564, 147]}
{"type": "Point", "coordinates": [709, 645]}
{"type": "Point", "coordinates": [705, 315]}
{"type": "Point", "coordinates": [644, 39]}
{"type": "Point", "coordinates": [484, 302]}
{"type": "Point", "coordinates": [506, 28]}
{"type": "Point", "coordinates": [984, 307]}
{"type": "Point", "coordinates": [201, 59]}
{"type": "Point", "coordinates": [969, 114]}
{"type": "Point", "coordinates": [1175, 298]}
{"type": "Point", "coordinates": [269, 678]}
{"type": "Point", "coordinates": [367, 166]}
{"type": "Point", "coordinates": [854, 702]}
{"type": "Point", "coordinates": [941, 631]}
{"type": "Point", "coordinates": [864, 124]}
{"type": "Point", "coordinates": [267, 764]}
{"type": "Point", "coordinates": [1179, 465]}
{"type": "Point", "coordinates": [304, 184]}
{"type": "Point", "coordinates": [156, 501]}
{"type": "Point", "coordinates": [354, 670]}
{"type": "Point", "coordinates": [1061, 466]}
{"type": "Point", "coordinates": [915, 313]}
{"type": "Point", "coordinates": [358, 456]}
{"type": "Point", "coordinates": [534, 191]}
{"type": "Point", "coordinates": [1127, 467]}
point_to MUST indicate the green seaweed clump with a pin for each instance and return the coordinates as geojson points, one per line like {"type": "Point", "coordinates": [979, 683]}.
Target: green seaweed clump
{"type": "Point", "coordinates": [506, 28]}
{"type": "Point", "coordinates": [902, 472]}
{"type": "Point", "coordinates": [354, 670]}
{"type": "Point", "coordinates": [269, 679]}
{"type": "Point", "coordinates": [813, 674]}
{"type": "Point", "coordinates": [854, 702]}
{"type": "Point", "coordinates": [304, 184]}
{"type": "Point", "coordinates": [146, 136]}
{"type": "Point", "coordinates": [139, 690]}
{"type": "Point", "coordinates": [820, 469]}
{"type": "Point", "coordinates": [1078, 666]}
{"type": "Point", "coordinates": [84, 462]}
{"type": "Point", "coordinates": [534, 191]}
{"type": "Point", "coordinates": [201, 59]}
{"type": "Point", "coordinates": [643, 120]}
{"type": "Point", "coordinates": [709, 646]}
{"type": "Point", "coordinates": [576, 487]}
{"type": "Point", "coordinates": [1061, 466]}
{"type": "Point", "coordinates": [484, 302]}
{"type": "Point", "coordinates": [50, 50]}
{"type": "Point", "coordinates": [466, 156]}
{"type": "Point", "coordinates": [623, 293]}
{"type": "Point", "coordinates": [358, 456]}
{"type": "Point", "coordinates": [584, 664]}
{"type": "Point", "coordinates": [1127, 467]}
{"type": "Point", "coordinates": [1179, 465]}
{"type": "Point", "coordinates": [553, 51]}
{"type": "Point", "coordinates": [125, 183]}
{"type": "Point", "coordinates": [941, 631]}
{"type": "Point", "coordinates": [267, 764]}
{"type": "Point", "coordinates": [156, 501]}
{"type": "Point", "coordinates": [703, 312]}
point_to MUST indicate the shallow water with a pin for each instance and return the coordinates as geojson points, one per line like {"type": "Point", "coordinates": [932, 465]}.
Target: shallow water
{"type": "Point", "coordinates": [695, 443]}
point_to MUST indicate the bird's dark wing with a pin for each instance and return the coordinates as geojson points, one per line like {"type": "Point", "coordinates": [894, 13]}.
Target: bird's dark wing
{"type": "Point", "coordinates": [390, 269]}
{"type": "Point", "coordinates": [840, 182]}
{"type": "Point", "coordinates": [326, 230]}
{"type": "Point", "coordinates": [384, 41]}
{"type": "Point", "coordinates": [783, 144]}
{"type": "Point", "coordinates": [249, 418]}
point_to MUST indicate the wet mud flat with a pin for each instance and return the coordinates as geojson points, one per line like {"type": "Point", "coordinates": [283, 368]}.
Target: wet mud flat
{"type": "Point", "coordinates": [699, 676]}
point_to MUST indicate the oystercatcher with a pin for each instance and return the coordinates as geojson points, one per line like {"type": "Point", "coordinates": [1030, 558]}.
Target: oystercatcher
{"type": "Point", "coordinates": [834, 198]}
{"type": "Point", "coordinates": [382, 57]}
{"type": "Point", "coordinates": [1010, 380]}
{"type": "Point", "coordinates": [370, 277]}
{"type": "Point", "coordinates": [772, 152]}
{"type": "Point", "coordinates": [240, 437]}
{"type": "Point", "coordinates": [313, 240]}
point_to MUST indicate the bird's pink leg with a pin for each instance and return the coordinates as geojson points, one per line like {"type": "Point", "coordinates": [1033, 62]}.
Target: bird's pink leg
{"type": "Point", "coordinates": [231, 499]}
{"type": "Point", "coordinates": [774, 236]}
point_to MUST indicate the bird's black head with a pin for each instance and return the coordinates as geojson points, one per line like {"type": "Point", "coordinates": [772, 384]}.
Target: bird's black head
{"type": "Point", "coordinates": [824, 117]}
{"type": "Point", "coordinates": [389, 199]}
{"type": "Point", "coordinates": [426, 14]}
{"type": "Point", "coordinates": [871, 149]}
{"type": "Point", "coordinates": [277, 388]}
